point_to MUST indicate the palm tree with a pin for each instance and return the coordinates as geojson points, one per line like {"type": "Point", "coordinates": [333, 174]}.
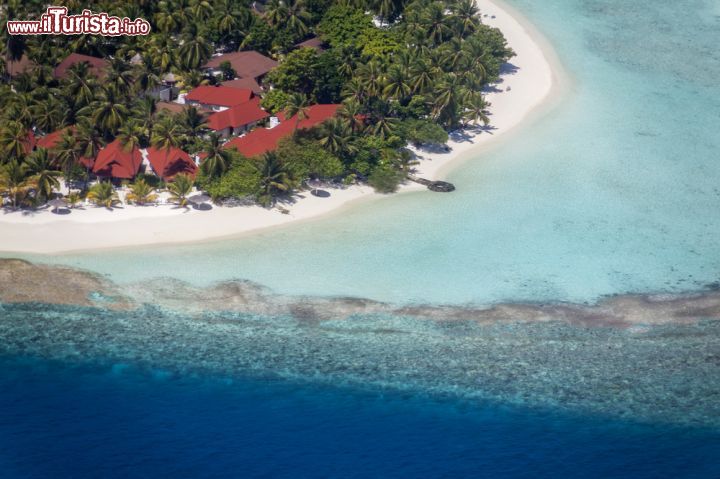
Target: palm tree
{"type": "Point", "coordinates": [465, 17]}
{"type": "Point", "coordinates": [67, 152]}
{"type": "Point", "coordinates": [80, 85]}
{"type": "Point", "coordinates": [217, 160]}
{"type": "Point", "coordinates": [274, 178]}
{"type": "Point", "coordinates": [180, 189]}
{"type": "Point", "coordinates": [435, 23]}
{"type": "Point", "coordinates": [170, 16]}
{"type": "Point", "coordinates": [89, 139]}
{"type": "Point", "coordinates": [297, 17]}
{"type": "Point", "coordinates": [477, 55]}
{"type": "Point", "coordinates": [396, 84]}
{"type": "Point", "coordinates": [108, 112]}
{"type": "Point", "coordinates": [144, 110]}
{"type": "Point", "coordinates": [163, 52]}
{"type": "Point", "coordinates": [166, 133]}
{"type": "Point", "coordinates": [73, 198]}
{"type": "Point", "coordinates": [13, 141]}
{"type": "Point", "coordinates": [448, 98]}
{"type": "Point", "coordinates": [404, 160]}
{"type": "Point", "coordinates": [276, 12]}
{"type": "Point", "coordinates": [384, 126]}
{"type": "Point", "coordinates": [297, 106]}
{"type": "Point", "coordinates": [146, 74]}
{"type": "Point", "coordinates": [14, 179]}
{"type": "Point", "coordinates": [141, 193]}
{"type": "Point", "coordinates": [336, 137]}
{"type": "Point", "coordinates": [194, 50]}
{"type": "Point", "coordinates": [193, 122]}
{"type": "Point", "coordinates": [476, 109]}
{"type": "Point", "coordinates": [103, 194]}
{"type": "Point", "coordinates": [131, 135]}
{"type": "Point", "coordinates": [372, 77]}
{"type": "Point", "coordinates": [354, 90]}
{"type": "Point", "coordinates": [43, 175]}
{"type": "Point", "coordinates": [421, 76]}
{"type": "Point", "coordinates": [350, 113]}
{"type": "Point", "coordinates": [120, 76]}
{"type": "Point", "coordinates": [199, 10]}
{"type": "Point", "coordinates": [231, 17]}
{"type": "Point", "coordinates": [49, 113]}
{"type": "Point", "coordinates": [20, 109]}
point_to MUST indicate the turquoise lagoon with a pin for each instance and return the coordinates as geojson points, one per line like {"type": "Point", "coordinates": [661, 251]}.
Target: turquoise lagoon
{"type": "Point", "coordinates": [615, 190]}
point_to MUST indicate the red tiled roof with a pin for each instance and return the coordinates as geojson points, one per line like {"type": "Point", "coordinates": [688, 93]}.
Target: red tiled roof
{"type": "Point", "coordinates": [98, 66]}
{"type": "Point", "coordinates": [246, 64]}
{"type": "Point", "coordinates": [51, 140]}
{"type": "Point", "coordinates": [168, 162]}
{"type": "Point", "coordinates": [237, 116]}
{"type": "Point", "coordinates": [114, 161]}
{"type": "Point", "coordinates": [263, 140]}
{"type": "Point", "coordinates": [244, 84]}
{"type": "Point", "coordinates": [219, 95]}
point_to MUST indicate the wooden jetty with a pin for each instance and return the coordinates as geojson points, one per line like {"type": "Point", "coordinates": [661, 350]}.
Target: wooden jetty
{"type": "Point", "coordinates": [437, 186]}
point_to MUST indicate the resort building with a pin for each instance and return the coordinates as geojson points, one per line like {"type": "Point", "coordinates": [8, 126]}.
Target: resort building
{"type": "Point", "coordinates": [168, 162]}
{"type": "Point", "coordinates": [52, 141]}
{"type": "Point", "coordinates": [18, 67]}
{"type": "Point", "coordinates": [249, 64]}
{"type": "Point", "coordinates": [244, 84]}
{"type": "Point", "coordinates": [238, 119]}
{"type": "Point", "coordinates": [218, 97]}
{"type": "Point", "coordinates": [114, 161]}
{"type": "Point", "coordinates": [98, 66]}
{"type": "Point", "coordinates": [170, 106]}
{"type": "Point", "coordinates": [262, 140]}
{"type": "Point", "coordinates": [313, 42]}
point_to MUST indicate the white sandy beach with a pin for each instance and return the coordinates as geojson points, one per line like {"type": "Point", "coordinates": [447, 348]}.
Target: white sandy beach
{"type": "Point", "coordinates": [534, 80]}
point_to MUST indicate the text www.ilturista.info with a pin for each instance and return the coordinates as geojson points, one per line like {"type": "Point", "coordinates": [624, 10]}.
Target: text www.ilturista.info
{"type": "Point", "coordinates": [56, 21]}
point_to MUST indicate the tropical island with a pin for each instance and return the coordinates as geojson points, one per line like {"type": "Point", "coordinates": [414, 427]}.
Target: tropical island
{"type": "Point", "coordinates": [247, 104]}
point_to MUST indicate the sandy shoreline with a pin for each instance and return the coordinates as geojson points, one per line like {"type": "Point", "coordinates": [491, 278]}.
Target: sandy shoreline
{"type": "Point", "coordinates": [536, 79]}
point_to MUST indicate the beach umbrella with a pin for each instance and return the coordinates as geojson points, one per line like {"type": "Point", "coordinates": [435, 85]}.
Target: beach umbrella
{"type": "Point", "coordinates": [201, 198]}
{"type": "Point", "coordinates": [57, 203]}
{"type": "Point", "coordinates": [314, 184]}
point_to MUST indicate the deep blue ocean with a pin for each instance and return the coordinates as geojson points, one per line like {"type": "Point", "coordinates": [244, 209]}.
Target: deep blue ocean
{"type": "Point", "coordinates": [617, 191]}
{"type": "Point", "coordinates": [58, 421]}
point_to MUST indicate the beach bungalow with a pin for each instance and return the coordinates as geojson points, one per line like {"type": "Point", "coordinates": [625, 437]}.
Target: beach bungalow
{"type": "Point", "coordinates": [238, 119]}
{"type": "Point", "coordinates": [52, 140]}
{"type": "Point", "coordinates": [250, 64]}
{"type": "Point", "coordinates": [262, 140]}
{"type": "Point", "coordinates": [168, 162]}
{"type": "Point", "coordinates": [218, 97]}
{"type": "Point", "coordinates": [114, 161]}
{"type": "Point", "coordinates": [98, 66]}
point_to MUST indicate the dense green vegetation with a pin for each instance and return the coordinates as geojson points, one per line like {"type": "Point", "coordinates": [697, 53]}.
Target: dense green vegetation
{"type": "Point", "coordinates": [408, 77]}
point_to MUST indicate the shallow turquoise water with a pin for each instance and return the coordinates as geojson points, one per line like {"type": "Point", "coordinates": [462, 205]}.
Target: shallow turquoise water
{"type": "Point", "coordinates": [616, 190]}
